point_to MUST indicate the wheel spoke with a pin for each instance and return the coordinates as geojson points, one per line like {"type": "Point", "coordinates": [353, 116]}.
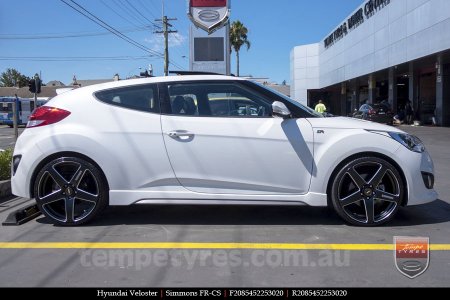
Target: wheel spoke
{"type": "Point", "coordinates": [355, 197]}
{"type": "Point", "coordinates": [57, 177]}
{"type": "Point", "coordinates": [357, 179]}
{"type": "Point", "coordinates": [83, 195]}
{"type": "Point", "coordinates": [367, 191]}
{"type": "Point", "coordinates": [69, 191]}
{"type": "Point", "coordinates": [70, 207]}
{"type": "Point", "coordinates": [370, 210]}
{"type": "Point", "coordinates": [376, 179]}
{"type": "Point", "coordinates": [385, 196]}
{"type": "Point", "coordinates": [77, 176]}
{"type": "Point", "coordinates": [53, 197]}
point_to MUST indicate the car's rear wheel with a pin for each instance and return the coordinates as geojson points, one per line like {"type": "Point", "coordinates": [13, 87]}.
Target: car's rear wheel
{"type": "Point", "coordinates": [367, 191]}
{"type": "Point", "coordinates": [70, 191]}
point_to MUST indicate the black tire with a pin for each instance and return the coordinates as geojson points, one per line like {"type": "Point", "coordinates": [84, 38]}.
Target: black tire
{"type": "Point", "coordinates": [70, 182]}
{"type": "Point", "coordinates": [367, 191]}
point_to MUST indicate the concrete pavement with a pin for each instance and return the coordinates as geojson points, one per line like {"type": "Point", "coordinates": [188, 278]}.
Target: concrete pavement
{"type": "Point", "coordinates": [233, 267]}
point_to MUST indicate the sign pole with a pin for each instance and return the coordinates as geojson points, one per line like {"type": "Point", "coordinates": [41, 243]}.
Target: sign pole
{"type": "Point", "coordinates": [14, 109]}
{"type": "Point", "coordinates": [36, 83]}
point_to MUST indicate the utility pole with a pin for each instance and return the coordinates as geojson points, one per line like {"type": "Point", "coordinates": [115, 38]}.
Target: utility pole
{"type": "Point", "coordinates": [166, 31]}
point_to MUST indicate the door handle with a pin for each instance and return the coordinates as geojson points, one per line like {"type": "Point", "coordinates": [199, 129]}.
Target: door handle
{"type": "Point", "coordinates": [179, 133]}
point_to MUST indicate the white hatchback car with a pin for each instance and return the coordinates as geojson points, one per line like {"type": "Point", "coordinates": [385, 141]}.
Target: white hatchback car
{"type": "Point", "coordinates": [207, 139]}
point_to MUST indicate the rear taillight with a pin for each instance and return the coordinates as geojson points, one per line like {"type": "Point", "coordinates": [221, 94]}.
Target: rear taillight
{"type": "Point", "coordinates": [46, 115]}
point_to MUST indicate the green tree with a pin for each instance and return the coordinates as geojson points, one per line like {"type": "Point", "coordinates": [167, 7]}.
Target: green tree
{"type": "Point", "coordinates": [238, 38]}
{"type": "Point", "coordinates": [12, 77]}
{"type": "Point", "coordinates": [5, 164]}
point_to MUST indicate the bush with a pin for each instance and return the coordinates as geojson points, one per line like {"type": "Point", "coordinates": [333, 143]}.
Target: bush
{"type": "Point", "coordinates": [5, 164]}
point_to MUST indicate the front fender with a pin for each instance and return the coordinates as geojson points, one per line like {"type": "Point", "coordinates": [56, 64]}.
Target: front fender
{"type": "Point", "coordinates": [333, 146]}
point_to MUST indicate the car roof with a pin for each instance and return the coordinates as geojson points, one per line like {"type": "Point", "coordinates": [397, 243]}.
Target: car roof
{"type": "Point", "coordinates": [178, 78]}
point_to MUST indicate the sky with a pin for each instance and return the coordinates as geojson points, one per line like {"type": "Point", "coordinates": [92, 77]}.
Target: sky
{"type": "Point", "coordinates": [50, 38]}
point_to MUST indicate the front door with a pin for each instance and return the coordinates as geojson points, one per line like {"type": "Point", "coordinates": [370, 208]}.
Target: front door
{"type": "Point", "coordinates": [221, 138]}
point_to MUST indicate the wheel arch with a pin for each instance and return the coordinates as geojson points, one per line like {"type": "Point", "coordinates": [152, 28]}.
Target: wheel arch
{"type": "Point", "coordinates": [58, 155]}
{"type": "Point", "coordinates": [365, 154]}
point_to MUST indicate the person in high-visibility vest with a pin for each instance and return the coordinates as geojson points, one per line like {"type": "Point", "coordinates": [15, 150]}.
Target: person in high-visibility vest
{"type": "Point", "coordinates": [320, 107]}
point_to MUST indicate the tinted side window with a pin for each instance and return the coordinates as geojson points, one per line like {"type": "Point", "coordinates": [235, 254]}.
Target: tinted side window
{"type": "Point", "coordinates": [218, 100]}
{"type": "Point", "coordinates": [140, 97]}
{"type": "Point", "coordinates": [184, 104]}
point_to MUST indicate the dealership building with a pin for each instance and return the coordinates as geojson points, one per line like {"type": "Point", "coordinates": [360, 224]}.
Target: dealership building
{"type": "Point", "coordinates": [394, 50]}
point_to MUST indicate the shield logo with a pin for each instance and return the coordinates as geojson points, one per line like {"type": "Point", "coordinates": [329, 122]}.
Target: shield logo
{"type": "Point", "coordinates": [209, 15]}
{"type": "Point", "coordinates": [411, 255]}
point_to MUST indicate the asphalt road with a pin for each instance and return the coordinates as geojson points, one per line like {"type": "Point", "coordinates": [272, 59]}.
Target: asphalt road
{"type": "Point", "coordinates": [7, 139]}
{"type": "Point", "coordinates": [197, 260]}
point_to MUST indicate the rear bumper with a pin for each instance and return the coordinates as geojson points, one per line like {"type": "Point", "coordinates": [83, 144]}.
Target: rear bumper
{"type": "Point", "coordinates": [31, 156]}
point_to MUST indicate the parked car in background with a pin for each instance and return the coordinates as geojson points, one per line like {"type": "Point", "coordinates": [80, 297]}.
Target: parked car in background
{"type": "Point", "coordinates": [379, 113]}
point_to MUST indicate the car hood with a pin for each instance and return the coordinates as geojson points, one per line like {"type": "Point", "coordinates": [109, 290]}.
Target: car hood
{"type": "Point", "coordinates": [349, 123]}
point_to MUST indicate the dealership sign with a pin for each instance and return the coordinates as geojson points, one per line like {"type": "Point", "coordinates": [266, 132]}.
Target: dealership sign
{"type": "Point", "coordinates": [411, 255]}
{"type": "Point", "coordinates": [369, 9]}
{"type": "Point", "coordinates": [209, 15]}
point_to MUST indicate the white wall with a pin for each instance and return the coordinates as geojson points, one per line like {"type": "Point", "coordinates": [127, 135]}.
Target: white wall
{"type": "Point", "coordinates": [304, 71]}
{"type": "Point", "coordinates": [402, 31]}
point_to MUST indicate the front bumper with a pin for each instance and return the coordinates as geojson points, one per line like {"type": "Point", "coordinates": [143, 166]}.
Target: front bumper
{"type": "Point", "coordinates": [419, 173]}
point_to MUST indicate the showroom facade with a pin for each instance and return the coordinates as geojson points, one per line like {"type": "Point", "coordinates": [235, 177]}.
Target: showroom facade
{"type": "Point", "coordinates": [392, 50]}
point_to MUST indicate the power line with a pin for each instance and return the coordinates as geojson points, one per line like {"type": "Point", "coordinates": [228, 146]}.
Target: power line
{"type": "Point", "coordinates": [178, 51]}
{"type": "Point", "coordinates": [153, 4]}
{"type": "Point", "coordinates": [133, 7]}
{"type": "Point", "coordinates": [65, 35]}
{"type": "Point", "coordinates": [176, 36]}
{"type": "Point", "coordinates": [74, 58]}
{"type": "Point", "coordinates": [118, 14]}
{"type": "Point", "coordinates": [111, 29]}
{"type": "Point", "coordinates": [177, 65]}
{"type": "Point", "coordinates": [128, 11]}
{"type": "Point", "coordinates": [125, 9]}
{"type": "Point", "coordinates": [147, 9]}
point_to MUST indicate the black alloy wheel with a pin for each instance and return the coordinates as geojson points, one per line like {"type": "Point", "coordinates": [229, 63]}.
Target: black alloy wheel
{"type": "Point", "coordinates": [367, 191]}
{"type": "Point", "coordinates": [70, 191]}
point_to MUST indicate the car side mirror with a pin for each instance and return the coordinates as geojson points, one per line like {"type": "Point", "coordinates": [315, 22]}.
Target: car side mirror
{"type": "Point", "coordinates": [280, 110]}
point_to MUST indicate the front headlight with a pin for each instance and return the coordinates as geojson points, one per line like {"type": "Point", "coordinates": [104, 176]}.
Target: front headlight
{"type": "Point", "coordinates": [411, 142]}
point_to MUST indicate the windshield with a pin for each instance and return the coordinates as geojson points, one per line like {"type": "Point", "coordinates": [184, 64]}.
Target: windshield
{"type": "Point", "coordinates": [293, 102]}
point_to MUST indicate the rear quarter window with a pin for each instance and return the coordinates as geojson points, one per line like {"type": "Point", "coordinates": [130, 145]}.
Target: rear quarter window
{"type": "Point", "coordinates": [141, 98]}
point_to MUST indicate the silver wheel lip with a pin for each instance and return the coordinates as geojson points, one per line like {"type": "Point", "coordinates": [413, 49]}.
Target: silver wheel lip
{"type": "Point", "coordinates": [385, 213]}
{"type": "Point", "coordinates": [52, 214]}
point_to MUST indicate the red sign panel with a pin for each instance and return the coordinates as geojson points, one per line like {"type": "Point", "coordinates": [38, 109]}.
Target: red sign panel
{"type": "Point", "coordinates": [208, 3]}
{"type": "Point", "coordinates": [412, 249]}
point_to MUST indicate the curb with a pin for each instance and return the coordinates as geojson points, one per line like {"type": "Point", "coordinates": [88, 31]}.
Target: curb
{"type": "Point", "coordinates": [5, 188]}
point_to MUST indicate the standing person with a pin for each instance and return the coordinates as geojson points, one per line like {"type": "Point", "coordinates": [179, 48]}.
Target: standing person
{"type": "Point", "coordinates": [320, 107]}
{"type": "Point", "coordinates": [409, 113]}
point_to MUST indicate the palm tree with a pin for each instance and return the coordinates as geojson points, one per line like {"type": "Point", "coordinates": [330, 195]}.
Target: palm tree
{"type": "Point", "coordinates": [238, 38]}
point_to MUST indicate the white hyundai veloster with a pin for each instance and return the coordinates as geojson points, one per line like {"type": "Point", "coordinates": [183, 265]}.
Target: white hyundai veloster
{"type": "Point", "coordinates": [215, 140]}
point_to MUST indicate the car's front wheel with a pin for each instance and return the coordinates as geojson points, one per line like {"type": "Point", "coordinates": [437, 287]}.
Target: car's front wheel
{"type": "Point", "coordinates": [70, 191]}
{"type": "Point", "coordinates": [367, 191]}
